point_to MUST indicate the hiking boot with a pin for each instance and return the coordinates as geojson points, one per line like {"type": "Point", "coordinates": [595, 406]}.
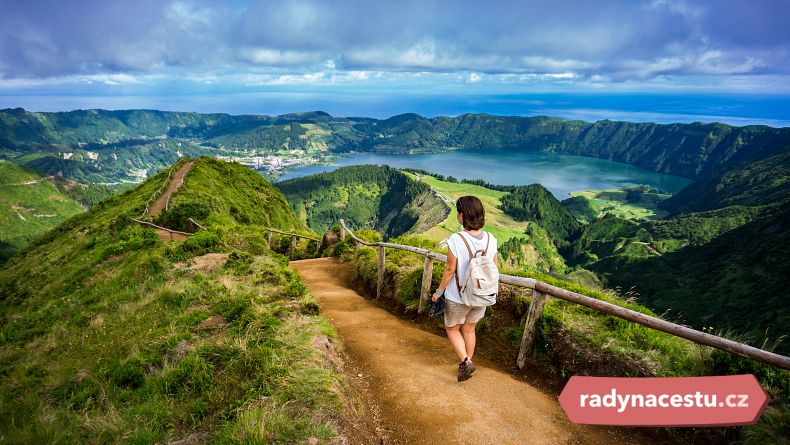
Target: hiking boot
{"type": "Point", "coordinates": [470, 367]}
{"type": "Point", "coordinates": [465, 370]}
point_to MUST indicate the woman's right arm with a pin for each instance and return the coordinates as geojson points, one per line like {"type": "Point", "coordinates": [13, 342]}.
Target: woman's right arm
{"type": "Point", "coordinates": [449, 271]}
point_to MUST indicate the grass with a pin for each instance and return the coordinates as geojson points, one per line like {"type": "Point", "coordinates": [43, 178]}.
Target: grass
{"type": "Point", "coordinates": [109, 335]}
{"type": "Point", "coordinates": [502, 226]}
{"type": "Point", "coordinates": [615, 203]}
{"type": "Point", "coordinates": [28, 210]}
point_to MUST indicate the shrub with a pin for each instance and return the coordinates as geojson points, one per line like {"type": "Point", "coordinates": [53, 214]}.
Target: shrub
{"type": "Point", "coordinates": [239, 262]}
{"type": "Point", "coordinates": [514, 334]}
{"type": "Point", "coordinates": [310, 307]}
{"type": "Point", "coordinates": [293, 290]}
{"type": "Point", "coordinates": [133, 237]}
{"type": "Point", "coordinates": [198, 244]}
{"type": "Point", "coordinates": [177, 218]}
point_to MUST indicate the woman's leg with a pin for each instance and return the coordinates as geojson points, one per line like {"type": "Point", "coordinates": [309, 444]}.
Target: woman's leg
{"type": "Point", "coordinates": [468, 333]}
{"type": "Point", "coordinates": [457, 340]}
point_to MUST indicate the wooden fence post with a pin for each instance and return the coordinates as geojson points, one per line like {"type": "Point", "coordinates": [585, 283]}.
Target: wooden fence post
{"type": "Point", "coordinates": [535, 311]}
{"type": "Point", "coordinates": [357, 246]}
{"type": "Point", "coordinates": [293, 246]}
{"type": "Point", "coordinates": [269, 240]}
{"type": "Point", "coordinates": [342, 233]}
{"type": "Point", "coordinates": [380, 284]}
{"type": "Point", "coordinates": [425, 288]}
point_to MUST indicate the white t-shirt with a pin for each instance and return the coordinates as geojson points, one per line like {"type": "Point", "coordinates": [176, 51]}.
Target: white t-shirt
{"type": "Point", "coordinates": [456, 245]}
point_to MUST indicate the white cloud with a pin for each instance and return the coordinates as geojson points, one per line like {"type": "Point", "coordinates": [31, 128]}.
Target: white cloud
{"type": "Point", "coordinates": [565, 75]}
{"type": "Point", "coordinates": [252, 80]}
{"type": "Point", "coordinates": [269, 56]}
{"type": "Point", "coordinates": [568, 42]}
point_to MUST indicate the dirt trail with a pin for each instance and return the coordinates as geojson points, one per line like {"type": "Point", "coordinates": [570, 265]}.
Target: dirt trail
{"type": "Point", "coordinates": [175, 183]}
{"type": "Point", "coordinates": [160, 204]}
{"type": "Point", "coordinates": [412, 374]}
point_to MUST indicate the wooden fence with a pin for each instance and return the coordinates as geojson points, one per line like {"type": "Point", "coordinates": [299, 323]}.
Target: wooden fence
{"type": "Point", "coordinates": [158, 191]}
{"type": "Point", "coordinates": [541, 290]}
{"type": "Point", "coordinates": [294, 238]}
{"type": "Point", "coordinates": [150, 224]}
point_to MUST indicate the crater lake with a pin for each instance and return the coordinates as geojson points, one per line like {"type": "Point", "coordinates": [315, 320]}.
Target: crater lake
{"type": "Point", "coordinates": [561, 174]}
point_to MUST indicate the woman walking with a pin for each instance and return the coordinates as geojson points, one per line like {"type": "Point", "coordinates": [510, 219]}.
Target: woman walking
{"type": "Point", "coordinates": [459, 318]}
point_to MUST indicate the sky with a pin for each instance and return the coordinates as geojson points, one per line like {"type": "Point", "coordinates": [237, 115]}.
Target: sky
{"type": "Point", "coordinates": [660, 60]}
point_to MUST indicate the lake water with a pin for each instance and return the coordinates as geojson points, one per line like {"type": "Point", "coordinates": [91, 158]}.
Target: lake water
{"type": "Point", "coordinates": [561, 174]}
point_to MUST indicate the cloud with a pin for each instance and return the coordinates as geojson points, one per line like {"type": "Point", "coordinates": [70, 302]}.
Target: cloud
{"type": "Point", "coordinates": [275, 57]}
{"type": "Point", "coordinates": [313, 41]}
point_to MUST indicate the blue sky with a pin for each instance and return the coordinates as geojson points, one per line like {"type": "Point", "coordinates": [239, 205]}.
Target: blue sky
{"type": "Point", "coordinates": [638, 60]}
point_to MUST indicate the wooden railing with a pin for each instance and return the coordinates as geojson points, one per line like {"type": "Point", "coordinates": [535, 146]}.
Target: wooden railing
{"type": "Point", "coordinates": [293, 236]}
{"type": "Point", "coordinates": [158, 191]}
{"type": "Point", "coordinates": [539, 292]}
{"type": "Point", "coordinates": [150, 224]}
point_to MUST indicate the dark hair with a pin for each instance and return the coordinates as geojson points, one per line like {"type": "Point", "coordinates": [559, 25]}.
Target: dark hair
{"type": "Point", "coordinates": [472, 213]}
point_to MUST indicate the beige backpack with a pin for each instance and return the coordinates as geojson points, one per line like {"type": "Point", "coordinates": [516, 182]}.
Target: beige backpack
{"type": "Point", "coordinates": [481, 280]}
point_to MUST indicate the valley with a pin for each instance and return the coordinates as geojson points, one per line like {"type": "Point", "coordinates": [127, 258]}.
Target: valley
{"type": "Point", "coordinates": [624, 232]}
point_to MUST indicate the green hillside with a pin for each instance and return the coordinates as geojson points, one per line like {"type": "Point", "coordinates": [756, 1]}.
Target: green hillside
{"type": "Point", "coordinates": [741, 175]}
{"type": "Point", "coordinates": [365, 196]}
{"type": "Point", "coordinates": [535, 250]}
{"type": "Point", "coordinates": [719, 261]}
{"type": "Point", "coordinates": [502, 226]}
{"type": "Point", "coordinates": [723, 268]}
{"type": "Point", "coordinates": [536, 204]}
{"type": "Point", "coordinates": [691, 150]}
{"type": "Point", "coordinates": [29, 206]}
{"type": "Point", "coordinates": [738, 280]}
{"type": "Point", "coordinates": [127, 162]}
{"type": "Point", "coordinates": [762, 181]}
{"type": "Point", "coordinates": [108, 335]}
{"type": "Point", "coordinates": [639, 202]}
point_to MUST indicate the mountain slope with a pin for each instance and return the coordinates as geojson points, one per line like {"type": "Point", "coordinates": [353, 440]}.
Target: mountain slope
{"type": "Point", "coordinates": [109, 335]}
{"type": "Point", "coordinates": [535, 203]}
{"type": "Point", "coordinates": [719, 261]}
{"type": "Point", "coordinates": [738, 280]}
{"type": "Point", "coordinates": [365, 196]}
{"type": "Point", "coordinates": [29, 206]}
{"type": "Point", "coordinates": [690, 150]}
{"type": "Point", "coordinates": [765, 180]}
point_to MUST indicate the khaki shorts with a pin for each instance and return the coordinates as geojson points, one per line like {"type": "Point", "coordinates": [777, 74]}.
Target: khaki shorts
{"type": "Point", "coordinates": [456, 313]}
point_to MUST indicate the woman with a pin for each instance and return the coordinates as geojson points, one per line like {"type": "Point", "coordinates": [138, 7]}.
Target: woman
{"type": "Point", "coordinates": [460, 319]}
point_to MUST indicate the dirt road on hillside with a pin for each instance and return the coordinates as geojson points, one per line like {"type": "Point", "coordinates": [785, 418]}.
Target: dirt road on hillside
{"type": "Point", "coordinates": [178, 180]}
{"type": "Point", "coordinates": [412, 375]}
{"type": "Point", "coordinates": [162, 202]}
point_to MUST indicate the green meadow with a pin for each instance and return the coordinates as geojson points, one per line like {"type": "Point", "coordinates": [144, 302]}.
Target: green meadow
{"type": "Point", "coordinates": [502, 226]}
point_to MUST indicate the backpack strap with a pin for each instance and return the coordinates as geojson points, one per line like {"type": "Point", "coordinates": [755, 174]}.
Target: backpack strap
{"type": "Point", "coordinates": [488, 241]}
{"type": "Point", "coordinates": [471, 255]}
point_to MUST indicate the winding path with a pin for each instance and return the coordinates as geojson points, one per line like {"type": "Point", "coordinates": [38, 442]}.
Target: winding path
{"type": "Point", "coordinates": [163, 200]}
{"type": "Point", "coordinates": [411, 374]}
{"type": "Point", "coordinates": [177, 181]}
